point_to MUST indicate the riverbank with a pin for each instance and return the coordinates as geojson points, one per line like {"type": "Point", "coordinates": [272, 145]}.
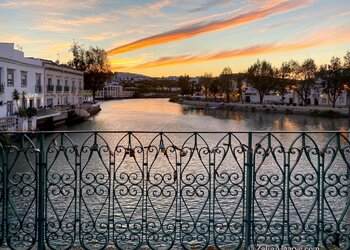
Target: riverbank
{"type": "Point", "coordinates": [340, 112]}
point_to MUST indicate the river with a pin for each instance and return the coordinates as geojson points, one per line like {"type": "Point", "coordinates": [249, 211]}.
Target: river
{"type": "Point", "coordinates": [161, 115]}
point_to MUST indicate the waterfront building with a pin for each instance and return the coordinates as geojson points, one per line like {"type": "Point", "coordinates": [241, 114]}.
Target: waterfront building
{"type": "Point", "coordinates": [317, 97]}
{"type": "Point", "coordinates": [63, 85]}
{"type": "Point", "coordinates": [25, 75]}
{"type": "Point", "coordinates": [113, 90]}
{"type": "Point", "coordinates": [40, 84]}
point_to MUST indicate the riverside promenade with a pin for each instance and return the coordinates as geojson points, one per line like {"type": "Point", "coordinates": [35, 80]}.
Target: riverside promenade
{"type": "Point", "coordinates": [282, 109]}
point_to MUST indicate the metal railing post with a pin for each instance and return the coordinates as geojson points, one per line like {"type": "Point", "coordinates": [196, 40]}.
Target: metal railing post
{"type": "Point", "coordinates": [249, 190]}
{"type": "Point", "coordinates": [41, 193]}
{"type": "Point", "coordinates": [5, 194]}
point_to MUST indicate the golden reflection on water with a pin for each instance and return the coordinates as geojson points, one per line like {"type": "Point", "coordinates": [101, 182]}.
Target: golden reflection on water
{"type": "Point", "coordinates": [289, 125]}
{"type": "Point", "coordinates": [149, 106]}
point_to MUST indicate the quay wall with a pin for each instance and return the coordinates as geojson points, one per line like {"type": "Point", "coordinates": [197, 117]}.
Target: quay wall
{"type": "Point", "coordinates": [282, 109]}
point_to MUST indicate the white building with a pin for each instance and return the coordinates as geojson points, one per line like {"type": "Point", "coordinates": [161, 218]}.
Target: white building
{"type": "Point", "coordinates": [316, 97]}
{"type": "Point", "coordinates": [113, 90]}
{"type": "Point", "coordinates": [22, 74]}
{"type": "Point", "coordinates": [63, 85]}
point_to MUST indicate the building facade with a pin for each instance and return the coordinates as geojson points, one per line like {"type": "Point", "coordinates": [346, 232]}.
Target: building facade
{"type": "Point", "coordinates": [63, 85]}
{"type": "Point", "coordinates": [113, 90]}
{"type": "Point", "coordinates": [24, 75]}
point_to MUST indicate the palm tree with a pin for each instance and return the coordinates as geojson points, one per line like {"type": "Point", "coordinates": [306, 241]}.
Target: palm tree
{"type": "Point", "coordinates": [24, 99]}
{"type": "Point", "coordinates": [15, 97]}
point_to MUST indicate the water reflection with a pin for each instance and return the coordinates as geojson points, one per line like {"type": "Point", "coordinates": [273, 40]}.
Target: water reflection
{"type": "Point", "coordinates": [161, 115]}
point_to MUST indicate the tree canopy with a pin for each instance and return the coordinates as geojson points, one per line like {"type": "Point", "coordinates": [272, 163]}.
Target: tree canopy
{"type": "Point", "coordinates": [261, 75]}
{"type": "Point", "coordinates": [95, 65]}
{"type": "Point", "coordinates": [226, 81]}
{"type": "Point", "coordinates": [185, 85]}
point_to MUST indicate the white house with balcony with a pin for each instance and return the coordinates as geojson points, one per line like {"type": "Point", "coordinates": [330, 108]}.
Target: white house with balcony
{"type": "Point", "coordinates": [113, 90]}
{"type": "Point", "coordinates": [63, 85]}
{"type": "Point", "coordinates": [22, 74]}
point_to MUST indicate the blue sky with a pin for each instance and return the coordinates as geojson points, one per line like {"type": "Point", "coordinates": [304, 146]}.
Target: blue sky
{"type": "Point", "coordinates": [174, 37]}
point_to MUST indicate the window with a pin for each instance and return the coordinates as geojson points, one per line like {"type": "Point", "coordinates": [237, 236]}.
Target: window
{"type": "Point", "coordinates": [58, 82]}
{"type": "Point", "coordinates": [49, 101]}
{"type": "Point", "coordinates": [38, 79]}
{"type": "Point", "coordinates": [66, 82]}
{"type": "Point", "coordinates": [10, 77]}
{"type": "Point", "coordinates": [23, 79]}
{"type": "Point", "coordinates": [49, 84]}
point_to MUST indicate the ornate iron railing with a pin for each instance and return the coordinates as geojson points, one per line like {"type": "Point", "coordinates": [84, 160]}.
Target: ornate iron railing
{"type": "Point", "coordinates": [174, 190]}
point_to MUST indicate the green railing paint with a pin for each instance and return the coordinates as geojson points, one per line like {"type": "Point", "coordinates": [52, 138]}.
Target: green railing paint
{"type": "Point", "coordinates": [163, 190]}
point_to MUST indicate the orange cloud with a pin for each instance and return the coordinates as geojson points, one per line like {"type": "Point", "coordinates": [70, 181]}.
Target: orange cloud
{"type": "Point", "coordinates": [328, 37]}
{"type": "Point", "coordinates": [202, 28]}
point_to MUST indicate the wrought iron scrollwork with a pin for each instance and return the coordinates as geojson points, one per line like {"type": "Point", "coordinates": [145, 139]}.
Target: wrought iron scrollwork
{"type": "Point", "coordinates": [21, 186]}
{"type": "Point", "coordinates": [165, 190]}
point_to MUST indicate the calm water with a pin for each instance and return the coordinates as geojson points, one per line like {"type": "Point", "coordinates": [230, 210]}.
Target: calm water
{"type": "Point", "coordinates": [161, 115]}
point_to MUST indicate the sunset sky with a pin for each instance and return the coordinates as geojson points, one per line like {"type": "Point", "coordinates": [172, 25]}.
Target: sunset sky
{"type": "Point", "coordinates": [174, 37]}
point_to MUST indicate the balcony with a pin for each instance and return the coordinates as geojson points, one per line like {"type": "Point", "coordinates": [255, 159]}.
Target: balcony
{"type": "Point", "coordinates": [66, 88]}
{"type": "Point", "coordinates": [50, 88]}
{"type": "Point", "coordinates": [150, 190]}
{"type": "Point", "coordinates": [38, 89]}
{"type": "Point", "coordinates": [58, 88]}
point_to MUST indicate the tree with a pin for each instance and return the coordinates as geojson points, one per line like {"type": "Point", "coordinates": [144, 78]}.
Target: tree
{"type": "Point", "coordinates": [184, 85]}
{"type": "Point", "coordinates": [214, 87]}
{"type": "Point", "coordinates": [331, 75]}
{"type": "Point", "coordinates": [226, 78]}
{"type": "Point", "coordinates": [94, 64]}
{"type": "Point", "coordinates": [347, 60]}
{"type": "Point", "coordinates": [261, 75]}
{"type": "Point", "coordinates": [15, 97]}
{"type": "Point", "coordinates": [284, 74]}
{"type": "Point", "coordinates": [303, 78]}
{"type": "Point", "coordinates": [346, 69]}
{"type": "Point", "coordinates": [239, 79]}
{"type": "Point", "coordinates": [205, 82]}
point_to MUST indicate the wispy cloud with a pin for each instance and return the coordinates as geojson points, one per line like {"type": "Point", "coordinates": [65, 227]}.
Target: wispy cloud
{"type": "Point", "coordinates": [274, 26]}
{"type": "Point", "coordinates": [327, 37]}
{"type": "Point", "coordinates": [66, 24]}
{"type": "Point", "coordinates": [40, 4]}
{"type": "Point", "coordinates": [344, 13]}
{"type": "Point", "coordinates": [201, 28]}
{"type": "Point", "coordinates": [21, 40]}
{"type": "Point", "coordinates": [211, 3]}
{"type": "Point", "coordinates": [200, 19]}
{"type": "Point", "coordinates": [159, 5]}
{"type": "Point", "coordinates": [102, 36]}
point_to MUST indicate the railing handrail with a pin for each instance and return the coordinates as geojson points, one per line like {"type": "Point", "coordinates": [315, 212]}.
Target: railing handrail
{"type": "Point", "coordinates": [178, 132]}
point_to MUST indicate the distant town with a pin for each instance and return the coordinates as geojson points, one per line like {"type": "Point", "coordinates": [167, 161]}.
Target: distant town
{"type": "Point", "coordinates": [36, 92]}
